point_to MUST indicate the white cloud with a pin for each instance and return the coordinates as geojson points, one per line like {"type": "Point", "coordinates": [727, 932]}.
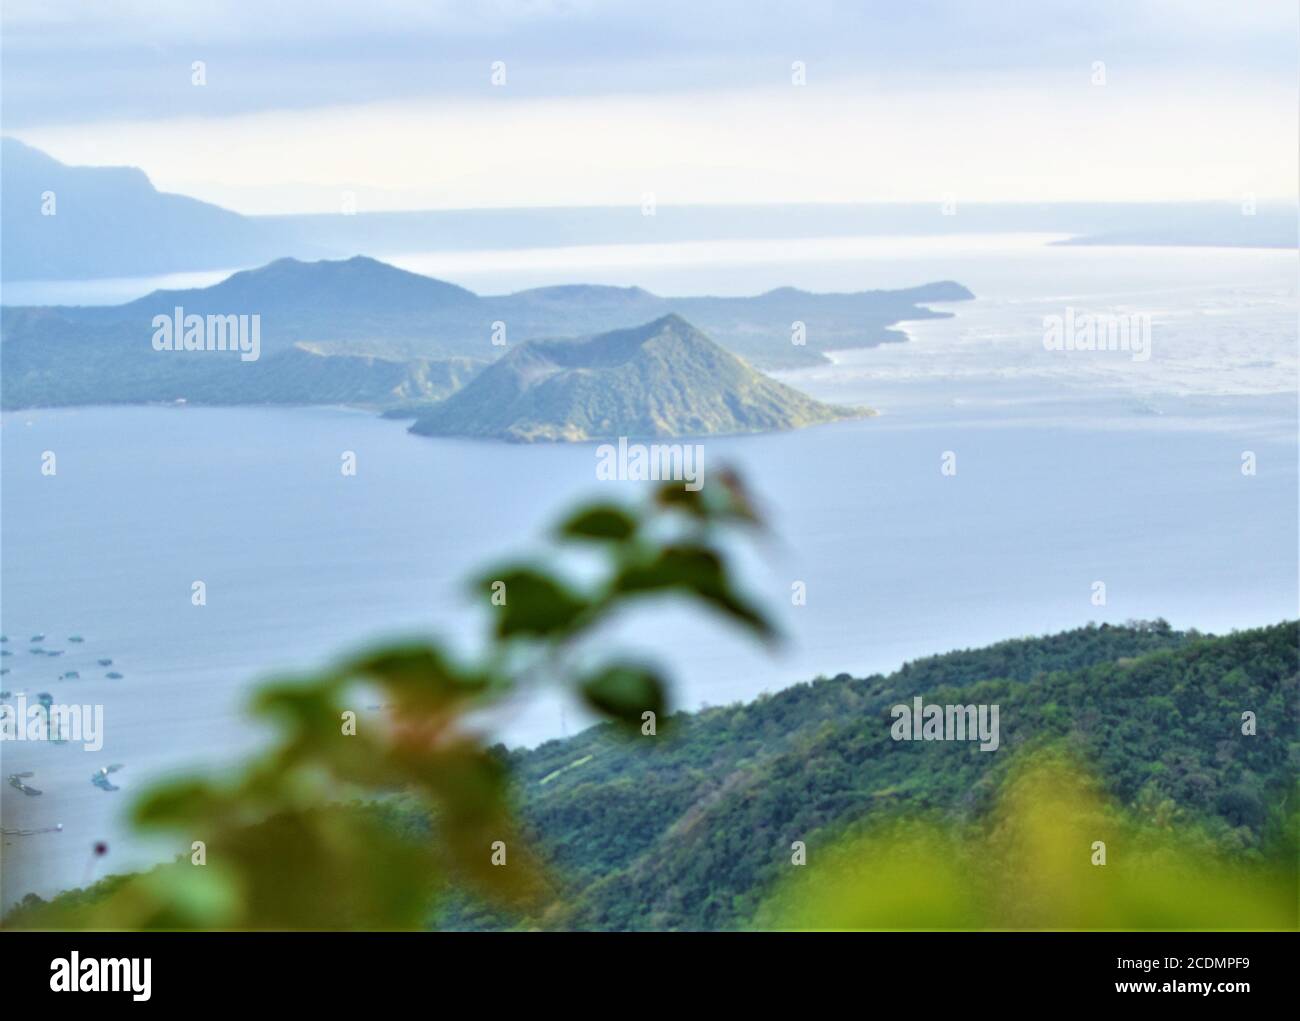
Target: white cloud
{"type": "Point", "coordinates": [1015, 138]}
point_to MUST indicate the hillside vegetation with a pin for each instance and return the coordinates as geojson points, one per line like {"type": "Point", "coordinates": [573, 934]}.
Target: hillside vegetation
{"type": "Point", "coordinates": [692, 829]}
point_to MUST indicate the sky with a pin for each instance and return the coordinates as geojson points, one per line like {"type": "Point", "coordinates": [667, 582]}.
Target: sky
{"type": "Point", "coordinates": [307, 105]}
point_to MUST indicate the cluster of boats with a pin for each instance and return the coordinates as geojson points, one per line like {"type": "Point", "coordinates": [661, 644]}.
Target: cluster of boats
{"type": "Point", "coordinates": [36, 649]}
{"type": "Point", "coordinates": [18, 781]}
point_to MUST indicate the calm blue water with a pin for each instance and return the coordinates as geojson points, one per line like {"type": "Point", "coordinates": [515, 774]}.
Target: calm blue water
{"type": "Point", "coordinates": [1070, 470]}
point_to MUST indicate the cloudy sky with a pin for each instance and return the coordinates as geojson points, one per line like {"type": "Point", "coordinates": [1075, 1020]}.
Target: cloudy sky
{"type": "Point", "coordinates": [692, 101]}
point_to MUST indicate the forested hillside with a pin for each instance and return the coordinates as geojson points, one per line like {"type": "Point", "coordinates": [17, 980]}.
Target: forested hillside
{"type": "Point", "coordinates": [690, 829]}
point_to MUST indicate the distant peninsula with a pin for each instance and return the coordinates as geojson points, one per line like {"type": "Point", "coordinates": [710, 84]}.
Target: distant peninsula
{"type": "Point", "coordinates": [361, 332]}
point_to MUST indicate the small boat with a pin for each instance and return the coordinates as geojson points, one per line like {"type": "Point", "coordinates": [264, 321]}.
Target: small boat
{"type": "Point", "coordinates": [5, 652]}
{"type": "Point", "coordinates": [45, 699]}
{"type": "Point", "coordinates": [71, 675]}
{"type": "Point", "coordinates": [36, 651]}
{"type": "Point", "coordinates": [37, 638]}
{"type": "Point", "coordinates": [113, 675]}
{"type": "Point", "coordinates": [75, 638]}
{"type": "Point", "coordinates": [54, 652]}
{"type": "Point", "coordinates": [16, 782]}
{"type": "Point", "coordinates": [6, 694]}
{"type": "Point", "coordinates": [100, 778]}
{"type": "Point", "coordinates": [4, 638]}
{"type": "Point", "coordinates": [56, 828]}
{"type": "Point", "coordinates": [105, 662]}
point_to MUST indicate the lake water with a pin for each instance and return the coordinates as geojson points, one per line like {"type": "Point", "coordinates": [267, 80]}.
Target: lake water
{"type": "Point", "coordinates": [1072, 468]}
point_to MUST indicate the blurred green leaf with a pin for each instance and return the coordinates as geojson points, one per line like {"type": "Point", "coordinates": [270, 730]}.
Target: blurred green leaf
{"type": "Point", "coordinates": [535, 604]}
{"type": "Point", "coordinates": [419, 676]}
{"type": "Point", "coordinates": [722, 498]}
{"type": "Point", "coordinates": [698, 571]}
{"type": "Point", "coordinates": [304, 704]}
{"type": "Point", "coordinates": [176, 803]}
{"type": "Point", "coordinates": [600, 523]}
{"type": "Point", "coordinates": [625, 691]}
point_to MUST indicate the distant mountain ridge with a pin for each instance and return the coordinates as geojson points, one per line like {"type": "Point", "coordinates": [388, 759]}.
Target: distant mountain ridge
{"type": "Point", "coordinates": [64, 222]}
{"type": "Point", "coordinates": [662, 379]}
{"type": "Point", "coordinates": [363, 308]}
{"type": "Point", "coordinates": [112, 222]}
{"type": "Point", "coordinates": [363, 300]}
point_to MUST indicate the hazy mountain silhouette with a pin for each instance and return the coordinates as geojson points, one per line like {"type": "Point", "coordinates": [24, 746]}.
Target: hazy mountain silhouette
{"type": "Point", "coordinates": [111, 221]}
{"type": "Point", "coordinates": [365, 309]}
{"type": "Point", "coordinates": [368, 302]}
